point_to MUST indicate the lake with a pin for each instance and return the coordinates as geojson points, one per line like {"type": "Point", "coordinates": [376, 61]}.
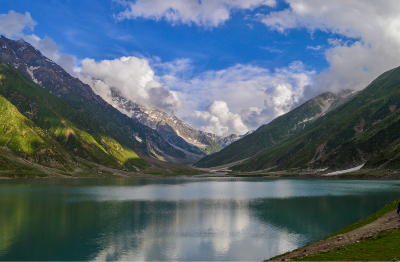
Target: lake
{"type": "Point", "coordinates": [195, 219]}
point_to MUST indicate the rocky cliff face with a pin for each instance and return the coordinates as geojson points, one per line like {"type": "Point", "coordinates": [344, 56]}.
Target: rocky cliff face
{"type": "Point", "coordinates": [43, 71]}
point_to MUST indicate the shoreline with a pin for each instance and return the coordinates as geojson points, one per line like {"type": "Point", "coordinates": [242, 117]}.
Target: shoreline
{"type": "Point", "coordinates": [374, 227]}
{"type": "Point", "coordinates": [126, 174]}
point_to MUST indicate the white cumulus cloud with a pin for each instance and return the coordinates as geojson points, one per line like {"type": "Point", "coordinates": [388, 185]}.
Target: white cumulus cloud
{"type": "Point", "coordinates": [202, 13]}
{"type": "Point", "coordinates": [134, 78]}
{"type": "Point", "coordinates": [217, 119]}
{"type": "Point", "coordinates": [254, 93]}
{"type": "Point", "coordinates": [13, 23]}
{"type": "Point", "coordinates": [372, 26]}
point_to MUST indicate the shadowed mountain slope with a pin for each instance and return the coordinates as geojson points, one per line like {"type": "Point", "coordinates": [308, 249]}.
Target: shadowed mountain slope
{"type": "Point", "coordinates": [361, 130]}
{"type": "Point", "coordinates": [277, 131]}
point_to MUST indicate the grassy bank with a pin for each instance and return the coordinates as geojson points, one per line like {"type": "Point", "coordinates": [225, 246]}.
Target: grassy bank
{"type": "Point", "coordinates": [383, 246]}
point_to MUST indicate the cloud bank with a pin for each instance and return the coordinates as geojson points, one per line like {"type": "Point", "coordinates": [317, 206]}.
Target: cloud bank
{"type": "Point", "coordinates": [373, 27]}
{"type": "Point", "coordinates": [248, 94]}
{"type": "Point", "coordinates": [134, 78]}
{"type": "Point", "coordinates": [217, 119]}
{"type": "Point", "coordinates": [364, 42]}
{"type": "Point", "coordinates": [207, 13]}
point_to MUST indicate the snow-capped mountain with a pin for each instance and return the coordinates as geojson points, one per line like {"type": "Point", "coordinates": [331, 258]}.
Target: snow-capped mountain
{"type": "Point", "coordinates": [174, 131]}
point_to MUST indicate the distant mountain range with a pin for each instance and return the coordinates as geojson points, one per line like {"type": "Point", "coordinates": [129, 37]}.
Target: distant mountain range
{"type": "Point", "coordinates": [193, 142]}
{"type": "Point", "coordinates": [147, 131]}
{"type": "Point", "coordinates": [52, 119]}
{"type": "Point", "coordinates": [329, 132]}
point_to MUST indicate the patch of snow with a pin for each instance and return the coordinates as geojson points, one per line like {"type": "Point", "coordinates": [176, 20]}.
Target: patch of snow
{"type": "Point", "coordinates": [345, 171]}
{"type": "Point", "coordinates": [138, 139]}
{"type": "Point", "coordinates": [30, 72]}
{"type": "Point", "coordinates": [321, 170]}
{"type": "Point", "coordinates": [4, 46]}
{"type": "Point", "coordinates": [306, 120]}
{"type": "Point", "coordinates": [34, 68]}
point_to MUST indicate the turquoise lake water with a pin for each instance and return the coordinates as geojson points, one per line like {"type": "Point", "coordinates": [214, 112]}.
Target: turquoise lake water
{"type": "Point", "coordinates": [196, 219]}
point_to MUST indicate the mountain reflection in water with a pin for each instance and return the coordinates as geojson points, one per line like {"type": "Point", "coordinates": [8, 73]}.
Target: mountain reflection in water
{"type": "Point", "coordinates": [177, 219]}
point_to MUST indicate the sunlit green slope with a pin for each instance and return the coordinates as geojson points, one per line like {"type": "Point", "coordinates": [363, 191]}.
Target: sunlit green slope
{"type": "Point", "coordinates": [73, 130]}
{"type": "Point", "coordinates": [21, 137]}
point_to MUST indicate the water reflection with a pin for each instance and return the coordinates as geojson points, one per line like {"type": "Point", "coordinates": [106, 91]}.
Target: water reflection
{"type": "Point", "coordinates": [177, 219]}
{"type": "Point", "coordinates": [193, 230]}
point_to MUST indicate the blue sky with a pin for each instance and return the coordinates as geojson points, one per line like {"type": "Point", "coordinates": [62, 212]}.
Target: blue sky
{"type": "Point", "coordinates": [224, 66]}
{"type": "Point", "coordinates": [89, 29]}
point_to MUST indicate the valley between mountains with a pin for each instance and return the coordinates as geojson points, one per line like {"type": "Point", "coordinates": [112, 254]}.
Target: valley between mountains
{"type": "Point", "coordinates": [54, 125]}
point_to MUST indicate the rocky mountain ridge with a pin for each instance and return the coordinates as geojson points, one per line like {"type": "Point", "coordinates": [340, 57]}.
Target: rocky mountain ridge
{"type": "Point", "coordinates": [46, 73]}
{"type": "Point", "coordinates": [169, 138]}
{"type": "Point", "coordinates": [172, 129]}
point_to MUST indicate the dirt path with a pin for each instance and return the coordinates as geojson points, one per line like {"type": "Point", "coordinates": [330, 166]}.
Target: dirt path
{"type": "Point", "coordinates": [389, 221]}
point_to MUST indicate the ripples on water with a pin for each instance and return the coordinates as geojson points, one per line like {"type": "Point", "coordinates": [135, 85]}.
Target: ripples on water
{"type": "Point", "coordinates": [177, 219]}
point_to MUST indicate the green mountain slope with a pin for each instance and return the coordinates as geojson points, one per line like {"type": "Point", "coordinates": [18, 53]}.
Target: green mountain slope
{"type": "Point", "coordinates": [24, 139]}
{"type": "Point", "coordinates": [362, 130]}
{"type": "Point", "coordinates": [80, 96]}
{"type": "Point", "coordinates": [276, 132]}
{"type": "Point", "coordinates": [75, 131]}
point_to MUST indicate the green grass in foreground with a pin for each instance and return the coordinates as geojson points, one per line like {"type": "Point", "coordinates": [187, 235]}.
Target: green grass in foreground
{"type": "Point", "coordinates": [383, 247]}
